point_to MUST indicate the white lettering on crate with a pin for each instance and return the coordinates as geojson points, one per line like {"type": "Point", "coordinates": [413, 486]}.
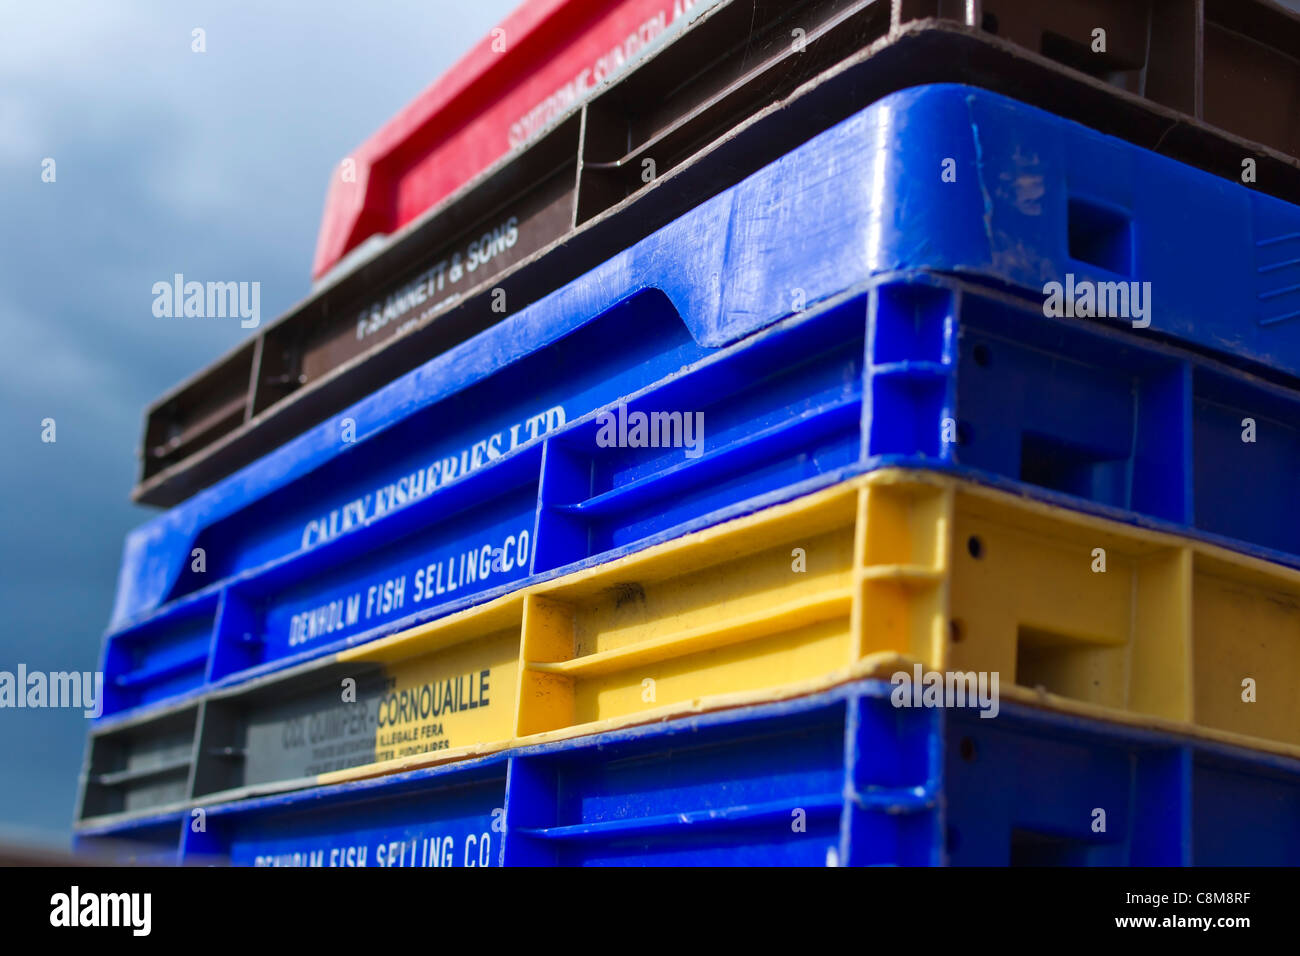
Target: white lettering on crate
{"type": "Point", "coordinates": [335, 616]}
{"type": "Point", "coordinates": [609, 64]}
{"type": "Point", "coordinates": [424, 481]}
{"type": "Point", "coordinates": [438, 278]}
{"type": "Point", "coordinates": [425, 851]}
{"type": "Point", "coordinates": [441, 577]}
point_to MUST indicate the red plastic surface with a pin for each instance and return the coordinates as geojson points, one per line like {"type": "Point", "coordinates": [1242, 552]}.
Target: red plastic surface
{"type": "Point", "coordinates": [541, 60]}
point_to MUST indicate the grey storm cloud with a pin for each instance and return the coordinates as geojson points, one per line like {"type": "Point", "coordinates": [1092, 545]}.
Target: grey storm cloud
{"type": "Point", "coordinates": [209, 164]}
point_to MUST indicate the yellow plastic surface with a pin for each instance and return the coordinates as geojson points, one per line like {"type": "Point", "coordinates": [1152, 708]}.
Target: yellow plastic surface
{"type": "Point", "coordinates": [1082, 613]}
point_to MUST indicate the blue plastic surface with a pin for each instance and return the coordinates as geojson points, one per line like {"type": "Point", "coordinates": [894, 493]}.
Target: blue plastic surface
{"type": "Point", "coordinates": [842, 777]}
{"type": "Point", "coordinates": [1034, 198]}
{"type": "Point", "coordinates": [916, 370]}
{"type": "Point", "coordinates": [289, 540]}
{"type": "Point", "coordinates": [152, 842]}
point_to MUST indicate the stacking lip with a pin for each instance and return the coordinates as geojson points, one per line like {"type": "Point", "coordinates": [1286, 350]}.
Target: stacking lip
{"type": "Point", "coordinates": [837, 777]}
{"type": "Point", "coordinates": [913, 369]}
{"type": "Point", "coordinates": [898, 569]}
{"type": "Point", "coordinates": [543, 58]}
{"type": "Point", "coordinates": [571, 181]}
{"type": "Point", "coordinates": [1064, 205]}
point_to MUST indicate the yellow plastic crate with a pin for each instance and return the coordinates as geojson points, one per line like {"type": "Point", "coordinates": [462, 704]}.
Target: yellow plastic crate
{"type": "Point", "coordinates": [899, 566]}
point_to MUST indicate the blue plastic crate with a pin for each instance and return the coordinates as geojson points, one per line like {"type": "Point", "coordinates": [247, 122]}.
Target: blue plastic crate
{"type": "Point", "coordinates": [1035, 198]}
{"type": "Point", "coordinates": [915, 370]}
{"type": "Point", "coordinates": [155, 841]}
{"type": "Point", "coordinates": [841, 777]}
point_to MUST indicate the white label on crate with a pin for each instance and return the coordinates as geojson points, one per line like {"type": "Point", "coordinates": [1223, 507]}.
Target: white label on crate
{"type": "Point", "coordinates": [422, 851]}
{"type": "Point", "coordinates": [437, 279]}
{"type": "Point", "coordinates": [609, 64]}
{"type": "Point", "coordinates": [424, 481]}
{"type": "Point", "coordinates": [431, 580]}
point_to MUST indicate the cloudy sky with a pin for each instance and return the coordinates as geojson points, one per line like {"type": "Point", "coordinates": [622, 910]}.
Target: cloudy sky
{"type": "Point", "coordinates": [213, 165]}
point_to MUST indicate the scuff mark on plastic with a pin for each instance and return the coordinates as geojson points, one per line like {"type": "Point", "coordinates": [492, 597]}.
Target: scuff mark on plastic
{"type": "Point", "coordinates": [979, 174]}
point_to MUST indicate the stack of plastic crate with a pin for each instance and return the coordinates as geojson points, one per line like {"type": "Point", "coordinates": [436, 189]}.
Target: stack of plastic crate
{"type": "Point", "coordinates": [922, 496]}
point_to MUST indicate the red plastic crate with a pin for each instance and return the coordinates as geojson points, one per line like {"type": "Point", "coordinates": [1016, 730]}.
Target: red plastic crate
{"type": "Point", "coordinates": [544, 58]}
